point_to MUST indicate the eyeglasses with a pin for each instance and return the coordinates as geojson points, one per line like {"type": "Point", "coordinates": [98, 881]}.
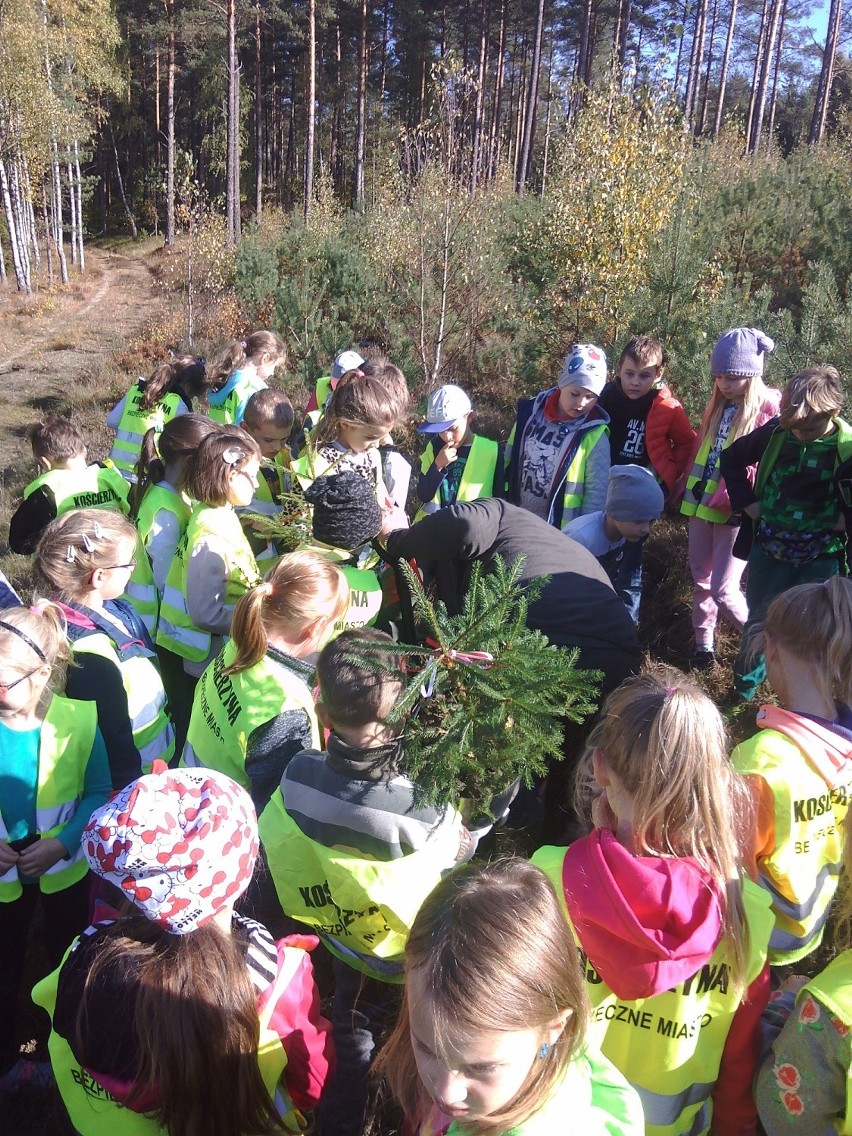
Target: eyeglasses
{"type": "Point", "coordinates": [131, 565]}
{"type": "Point", "coordinates": [7, 686]}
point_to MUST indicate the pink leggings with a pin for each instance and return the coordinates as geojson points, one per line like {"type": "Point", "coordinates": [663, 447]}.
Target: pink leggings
{"type": "Point", "coordinates": [716, 575]}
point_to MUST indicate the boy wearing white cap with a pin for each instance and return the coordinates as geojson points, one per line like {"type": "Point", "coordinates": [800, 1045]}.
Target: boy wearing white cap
{"type": "Point", "coordinates": [457, 465]}
{"type": "Point", "coordinates": [616, 535]}
{"type": "Point", "coordinates": [558, 452]}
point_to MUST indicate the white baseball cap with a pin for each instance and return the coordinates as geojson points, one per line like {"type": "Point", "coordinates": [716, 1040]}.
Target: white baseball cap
{"type": "Point", "coordinates": [445, 406]}
{"type": "Point", "coordinates": [345, 361]}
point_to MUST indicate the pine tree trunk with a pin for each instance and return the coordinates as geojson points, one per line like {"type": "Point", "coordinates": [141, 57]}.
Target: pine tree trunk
{"type": "Point", "coordinates": [702, 118]}
{"type": "Point", "coordinates": [232, 161]}
{"type": "Point", "coordinates": [723, 74]}
{"type": "Point", "coordinates": [696, 61]}
{"type": "Point", "coordinates": [774, 96]}
{"type": "Point", "coordinates": [758, 60]}
{"type": "Point", "coordinates": [547, 122]}
{"type": "Point", "coordinates": [170, 126]}
{"type": "Point", "coordinates": [495, 133]}
{"type": "Point", "coordinates": [128, 213]}
{"type": "Point", "coordinates": [476, 171]}
{"type": "Point", "coordinates": [531, 105]}
{"type": "Point", "coordinates": [258, 118]}
{"type": "Point", "coordinates": [826, 74]}
{"type": "Point", "coordinates": [763, 83]}
{"type": "Point", "coordinates": [310, 108]}
{"type": "Point", "coordinates": [361, 125]}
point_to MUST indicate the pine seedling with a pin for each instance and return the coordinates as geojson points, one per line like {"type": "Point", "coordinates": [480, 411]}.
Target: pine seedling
{"type": "Point", "coordinates": [487, 695]}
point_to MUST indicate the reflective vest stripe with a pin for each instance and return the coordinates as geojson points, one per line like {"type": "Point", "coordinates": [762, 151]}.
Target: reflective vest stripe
{"type": "Point", "coordinates": [689, 506]}
{"type": "Point", "coordinates": [789, 906]}
{"type": "Point", "coordinates": [57, 814]}
{"type": "Point", "coordinates": [135, 423]}
{"type": "Point", "coordinates": [661, 1109]}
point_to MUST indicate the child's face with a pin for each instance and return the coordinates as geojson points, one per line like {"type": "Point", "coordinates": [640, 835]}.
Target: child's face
{"type": "Point", "coordinates": [458, 432]}
{"type": "Point", "coordinates": [633, 530]}
{"type": "Point", "coordinates": [574, 402]}
{"type": "Point", "coordinates": [814, 425]}
{"type": "Point", "coordinates": [471, 1075]}
{"type": "Point", "coordinates": [271, 438]}
{"type": "Point", "coordinates": [21, 683]}
{"type": "Point", "coordinates": [359, 439]}
{"type": "Point", "coordinates": [242, 483]}
{"type": "Point", "coordinates": [637, 378]}
{"type": "Point", "coordinates": [267, 366]}
{"type": "Point", "coordinates": [114, 576]}
{"type": "Point", "coordinates": [733, 387]}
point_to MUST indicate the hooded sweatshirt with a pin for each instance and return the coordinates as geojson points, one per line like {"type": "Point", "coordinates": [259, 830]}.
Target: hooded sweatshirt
{"type": "Point", "coordinates": [800, 771]}
{"type": "Point", "coordinates": [666, 1010]}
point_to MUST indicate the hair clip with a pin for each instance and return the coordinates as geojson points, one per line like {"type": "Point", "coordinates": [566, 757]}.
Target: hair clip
{"type": "Point", "coordinates": [37, 609]}
{"type": "Point", "coordinates": [70, 554]}
{"type": "Point", "coordinates": [231, 456]}
{"type": "Point", "coordinates": [87, 544]}
{"type": "Point", "coordinates": [97, 530]}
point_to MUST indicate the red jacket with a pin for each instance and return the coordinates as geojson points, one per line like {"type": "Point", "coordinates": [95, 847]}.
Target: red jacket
{"type": "Point", "coordinates": [669, 438]}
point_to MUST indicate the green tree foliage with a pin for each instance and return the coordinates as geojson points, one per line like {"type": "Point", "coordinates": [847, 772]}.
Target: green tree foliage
{"type": "Point", "coordinates": [487, 696]}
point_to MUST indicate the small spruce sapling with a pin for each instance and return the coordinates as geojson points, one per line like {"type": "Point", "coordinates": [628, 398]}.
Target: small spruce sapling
{"type": "Point", "coordinates": [487, 695]}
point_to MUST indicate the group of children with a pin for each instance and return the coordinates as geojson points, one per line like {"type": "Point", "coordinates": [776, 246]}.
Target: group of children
{"type": "Point", "coordinates": [619, 985]}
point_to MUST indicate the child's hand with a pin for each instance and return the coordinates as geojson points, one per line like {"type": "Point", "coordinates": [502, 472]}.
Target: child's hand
{"type": "Point", "coordinates": [446, 456]}
{"type": "Point", "coordinates": [8, 857]}
{"type": "Point", "coordinates": [35, 860]}
{"type": "Point", "coordinates": [393, 518]}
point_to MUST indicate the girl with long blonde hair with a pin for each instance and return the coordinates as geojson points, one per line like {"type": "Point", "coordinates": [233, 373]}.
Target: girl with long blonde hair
{"type": "Point", "coordinates": [674, 936]}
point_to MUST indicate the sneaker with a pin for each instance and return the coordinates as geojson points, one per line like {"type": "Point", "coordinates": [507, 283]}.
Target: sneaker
{"type": "Point", "coordinates": [26, 1074]}
{"type": "Point", "coordinates": [701, 660]}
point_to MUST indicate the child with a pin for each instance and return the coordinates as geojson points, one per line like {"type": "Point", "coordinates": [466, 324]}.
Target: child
{"type": "Point", "coordinates": [53, 773]}
{"type": "Point", "coordinates": [802, 1086]}
{"type": "Point", "coordinates": [396, 468]}
{"type": "Point", "coordinates": [800, 764]}
{"type": "Point", "coordinates": [345, 361]}
{"type": "Point", "coordinates": [558, 451]}
{"type": "Point", "coordinates": [86, 558]}
{"type": "Point", "coordinates": [359, 414]}
{"type": "Point", "coordinates": [65, 481]}
{"type": "Point", "coordinates": [647, 424]}
{"type": "Point", "coordinates": [253, 707]}
{"type": "Point", "coordinates": [674, 939]}
{"type": "Point", "coordinates": [150, 404]}
{"type": "Point", "coordinates": [160, 506]}
{"type": "Point", "coordinates": [352, 853]}
{"type": "Point", "coordinates": [183, 1016]}
{"type": "Point", "coordinates": [738, 404]}
{"type": "Point", "coordinates": [268, 419]}
{"type": "Point", "coordinates": [615, 536]}
{"type": "Point", "coordinates": [457, 465]}
{"type": "Point", "coordinates": [214, 564]}
{"type": "Point", "coordinates": [798, 531]}
{"type": "Point", "coordinates": [492, 1034]}
{"type": "Point", "coordinates": [239, 370]}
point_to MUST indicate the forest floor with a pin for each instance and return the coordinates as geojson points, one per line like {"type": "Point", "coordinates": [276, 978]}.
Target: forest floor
{"type": "Point", "coordinates": [58, 355]}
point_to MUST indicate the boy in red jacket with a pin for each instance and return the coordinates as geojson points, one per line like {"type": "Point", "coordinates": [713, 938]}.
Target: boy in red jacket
{"type": "Point", "coordinates": [647, 427]}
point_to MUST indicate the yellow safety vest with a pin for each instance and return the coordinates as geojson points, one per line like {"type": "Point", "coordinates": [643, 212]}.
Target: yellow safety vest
{"type": "Point", "coordinates": [800, 874]}
{"type": "Point", "coordinates": [95, 487]}
{"type": "Point", "coordinates": [95, 1112]}
{"type": "Point", "coordinates": [477, 479]}
{"type": "Point", "coordinates": [573, 487]}
{"type": "Point", "coordinates": [670, 1046]}
{"type": "Point", "coordinates": [64, 748]}
{"type": "Point", "coordinates": [701, 509]}
{"type": "Point", "coordinates": [158, 499]}
{"type": "Point", "coordinates": [135, 423]}
{"type": "Point", "coordinates": [141, 590]}
{"type": "Point", "coordinates": [362, 909]}
{"type": "Point", "coordinates": [833, 988]}
{"type": "Point", "coordinates": [228, 411]}
{"type": "Point", "coordinates": [176, 631]}
{"type": "Point", "coordinates": [228, 708]}
{"type": "Point", "coordinates": [153, 733]}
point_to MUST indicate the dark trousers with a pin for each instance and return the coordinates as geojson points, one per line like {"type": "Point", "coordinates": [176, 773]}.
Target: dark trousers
{"type": "Point", "coordinates": [362, 1010]}
{"type": "Point", "coordinates": [64, 915]}
{"type": "Point", "coordinates": [768, 578]}
{"type": "Point", "coordinates": [180, 690]}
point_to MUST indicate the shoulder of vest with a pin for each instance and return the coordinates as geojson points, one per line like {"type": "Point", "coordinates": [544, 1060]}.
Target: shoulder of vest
{"type": "Point", "coordinates": [765, 749]}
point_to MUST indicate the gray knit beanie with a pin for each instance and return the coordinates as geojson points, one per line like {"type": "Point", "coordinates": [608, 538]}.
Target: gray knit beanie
{"type": "Point", "coordinates": [741, 351]}
{"type": "Point", "coordinates": [633, 494]}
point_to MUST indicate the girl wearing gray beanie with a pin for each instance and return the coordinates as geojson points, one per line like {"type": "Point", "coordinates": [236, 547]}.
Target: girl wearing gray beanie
{"type": "Point", "coordinates": [739, 403]}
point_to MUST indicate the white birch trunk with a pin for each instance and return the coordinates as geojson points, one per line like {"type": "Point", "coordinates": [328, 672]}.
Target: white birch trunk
{"type": "Point", "coordinates": [21, 277]}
